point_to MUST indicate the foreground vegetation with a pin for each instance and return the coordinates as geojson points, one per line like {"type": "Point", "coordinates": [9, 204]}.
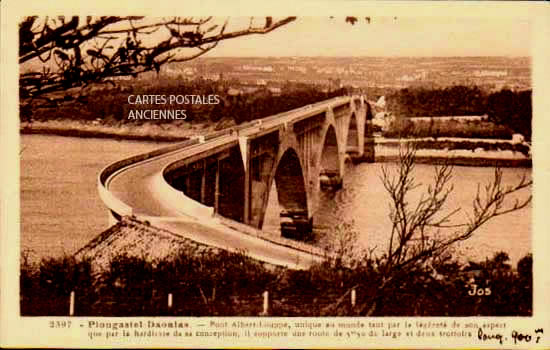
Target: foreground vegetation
{"type": "Point", "coordinates": [231, 284]}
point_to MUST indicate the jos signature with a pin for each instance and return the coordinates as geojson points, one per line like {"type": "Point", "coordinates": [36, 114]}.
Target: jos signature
{"type": "Point", "coordinates": [478, 291]}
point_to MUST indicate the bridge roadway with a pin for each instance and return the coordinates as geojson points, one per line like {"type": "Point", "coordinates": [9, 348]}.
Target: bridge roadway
{"type": "Point", "coordinates": [136, 185]}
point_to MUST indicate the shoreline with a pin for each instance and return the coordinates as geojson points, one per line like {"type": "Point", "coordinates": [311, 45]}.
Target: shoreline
{"type": "Point", "coordinates": [99, 134]}
{"type": "Point", "coordinates": [464, 161]}
{"type": "Point", "coordinates": [458, 151]}
{"type": "Point", "coordinates": [143, 132]}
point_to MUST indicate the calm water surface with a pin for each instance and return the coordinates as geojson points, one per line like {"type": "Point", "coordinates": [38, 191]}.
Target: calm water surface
{"type": "Point", "coordinates": [365, 203]}
{"type": "Point", "coordinates": [61, 210]}
{"type": "Point", "coordinates": [60, 206]}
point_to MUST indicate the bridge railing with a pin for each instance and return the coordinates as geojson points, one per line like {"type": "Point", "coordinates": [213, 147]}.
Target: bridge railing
{"type": "Point", "coordinates": [299, 109]}
{"type": "Point", "coordinates": [279, 240]}
{"type": "Point", "coordinates": [193, 207]}
{"type": "Point", "coordinates": [122, 209]}
{"type": "Point", "coordinates": [179, 200]}
{"type": "Point", "coordinates": [257, 122]}
{"type": "Point", "coordinates": [105, 174]}
{"type": "Point", "coordinates": [216, 134]}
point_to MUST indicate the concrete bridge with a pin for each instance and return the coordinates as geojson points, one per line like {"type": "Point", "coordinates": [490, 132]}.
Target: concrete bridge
{"type": "Point", "coordinates": [225, 178]}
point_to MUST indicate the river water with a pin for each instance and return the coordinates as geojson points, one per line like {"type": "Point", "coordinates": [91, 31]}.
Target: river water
{"type": "Point", "coordinates": [366, 203]}
{"type": "Point", "coordinates": [60, 206]}
{"type": "Point", "coordinates": [61, 210]}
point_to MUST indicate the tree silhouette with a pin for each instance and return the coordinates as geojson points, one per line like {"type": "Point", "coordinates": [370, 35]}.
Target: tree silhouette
{"type": "Point", "coordinates": [57, 54]}
{"type": "Point", "coordinates": [513, 109]}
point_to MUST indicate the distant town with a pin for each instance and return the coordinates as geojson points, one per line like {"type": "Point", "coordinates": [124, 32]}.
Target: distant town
{"type": "Point", "coordinates": [488, 73]}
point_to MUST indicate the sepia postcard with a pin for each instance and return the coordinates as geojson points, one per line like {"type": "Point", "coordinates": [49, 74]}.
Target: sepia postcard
{"type": "Point", "coordinates": [294, 175]}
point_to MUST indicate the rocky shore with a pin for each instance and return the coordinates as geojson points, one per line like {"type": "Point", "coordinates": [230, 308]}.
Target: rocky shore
{"type": "Point", "coordinates": [134, 238]}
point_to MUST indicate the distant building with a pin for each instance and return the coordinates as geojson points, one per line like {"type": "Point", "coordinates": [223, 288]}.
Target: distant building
{"type": "Point", "coordinates": [297, 69]}
{"type": "Point", "coordinates": [250, 89]}
{"type": "Point", "coordinates": [212, 76]}
{"type": "Point", "coordinates": [275, 91]}
{"type": "Point", "coordinates": [120, 77]}
{"type": "Point", "coordinates": [383, 120]}
{"type": "Point", "coordinates": [189, 71]}
{"type": "Point", "coordinates": [381, 103]}
{"type": "Point", "coordinates": [413, 77]}
{"type": "Point", "coordinates": [234, 92]}
{"type": "Point", "coordinates": [490, 73]}
{"type": "Point", "coordinates": [268, 69]}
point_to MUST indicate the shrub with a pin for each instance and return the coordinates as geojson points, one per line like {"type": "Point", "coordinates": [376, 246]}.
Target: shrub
{"type": "Point", "coordinates": [509, 111]}
{"type": "Point", "coordinates": [46, 288]}
{"type": "Point", "coordinates": [231, 284]}
{"type": "Point", "coordinates": [406, 128]}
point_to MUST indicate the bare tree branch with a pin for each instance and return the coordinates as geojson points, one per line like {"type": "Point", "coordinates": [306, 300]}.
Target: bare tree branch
{"type": "Point", "coordinates": [423, 233]}
{"type": "Point", "coordinates": [79, 51]}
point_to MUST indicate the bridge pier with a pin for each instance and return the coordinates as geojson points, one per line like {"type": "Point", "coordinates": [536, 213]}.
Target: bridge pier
{"type": "Point", "coordinates": [301, 155]}
{"type": "Point", "coordinates": [368, 155]}
{"type": "Point", "coordinates": [113, 219]}
{"type": "Point", "coordinates": [330, 180]}
{"type": "Point", "coordinates": [217, 188]}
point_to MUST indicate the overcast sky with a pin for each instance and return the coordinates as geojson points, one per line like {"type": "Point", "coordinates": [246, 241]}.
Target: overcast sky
{"type": "Point", "coordinates": [386, 36]}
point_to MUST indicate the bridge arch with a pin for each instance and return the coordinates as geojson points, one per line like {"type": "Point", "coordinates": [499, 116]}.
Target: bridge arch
{"type": "Point", "coordinates": [329, 159]}
{"type": "Point", "coordinates": [230, 172]}
{"type": "Point", "coordinates": [292, 194]}
{"type": "Point", "coordinates": [289, 180]}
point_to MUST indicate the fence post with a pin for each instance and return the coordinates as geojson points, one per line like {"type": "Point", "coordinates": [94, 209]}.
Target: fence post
{"type": "Point", "coordinates": [265, 311]}
{"type": "Point", "coordinates": [353, 297]}
{"type": "Point", "coordinates": [71, 304]}
{"type": "Point", "coordinates": [169, 301]}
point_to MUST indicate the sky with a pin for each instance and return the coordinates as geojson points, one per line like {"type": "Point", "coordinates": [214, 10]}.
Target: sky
{"type": "Point", "coordinates": [400, 35]}
{"type": "Point", "coordinates": [385, 36]}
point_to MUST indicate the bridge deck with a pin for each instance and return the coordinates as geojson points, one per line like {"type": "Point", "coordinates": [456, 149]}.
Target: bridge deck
{"type": "Point", "coordinates": [134, 185]}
